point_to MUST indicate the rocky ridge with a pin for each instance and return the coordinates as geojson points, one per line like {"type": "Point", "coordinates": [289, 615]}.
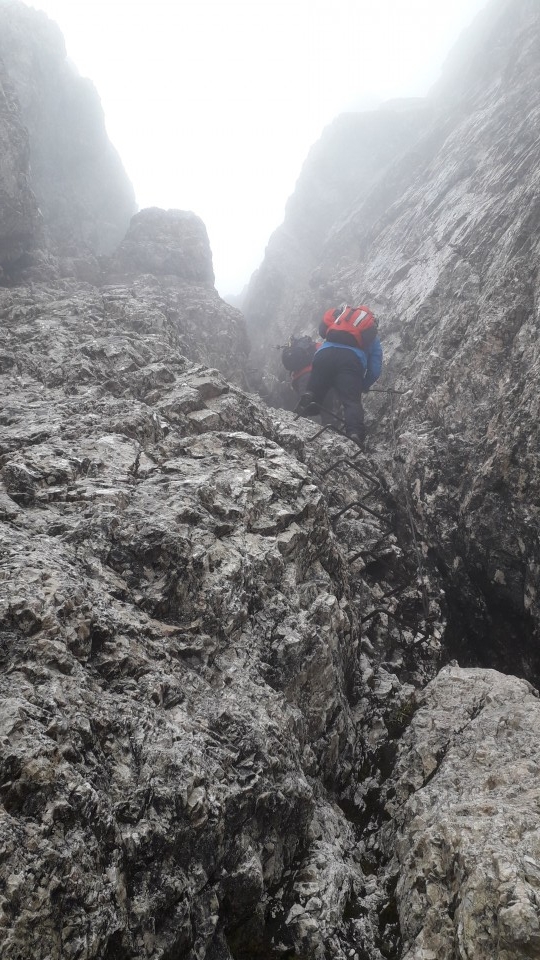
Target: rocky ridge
{"type": "Point", "coordinates": [181, 642]}
{"type": "Point", "coordinates": [215, 638]}
{"type": "Point", "coordinates": [445, 247]}
{"type": "Point", "coordinates": [224, 730]}
{"type": "Point", "coordinates": [284, 295]}
{"type": "Point", "coordinates": [59, 174]}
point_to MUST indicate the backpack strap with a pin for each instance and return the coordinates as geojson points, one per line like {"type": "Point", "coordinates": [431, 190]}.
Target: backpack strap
{"type": "Point", "coordinates": [342, 313]}
{"type": "Point", "coordinates": [362, 314]}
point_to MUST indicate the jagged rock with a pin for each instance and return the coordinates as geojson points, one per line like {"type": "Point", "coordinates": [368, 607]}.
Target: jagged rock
{"type": "Point", "coordinates": [444, 246]}
{"type": "Point", "coordinates": [222, 732]}
{"type": "Point", "coordinates": [181, 695]}
{"type": "Point", "coordinates": [466, 808]}
{"type": "Point", "coordinates": [286, 293]}
{"type": "Point", "coordinates": [170, 243]}
{"type": "Point", "coordinates": [167, 261]}
{"type": "Point", "coordinates": [75, 174]}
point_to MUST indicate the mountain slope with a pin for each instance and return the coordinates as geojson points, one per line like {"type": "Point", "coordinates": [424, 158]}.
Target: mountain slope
{"type": "Point", "coordinates": [445, 248]}
{"type": "Point", "coordinates": [84, 197]}
{"type": "Point", "coordinates": [225, 732]}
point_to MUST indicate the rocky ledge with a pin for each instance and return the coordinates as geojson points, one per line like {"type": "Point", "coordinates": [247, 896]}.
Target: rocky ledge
{"type": "Point", "coordinates": [215, 637]}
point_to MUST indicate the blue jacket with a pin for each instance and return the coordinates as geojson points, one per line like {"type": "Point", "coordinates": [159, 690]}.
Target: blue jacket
{"type": "Point", "coordinates": [371, 359]}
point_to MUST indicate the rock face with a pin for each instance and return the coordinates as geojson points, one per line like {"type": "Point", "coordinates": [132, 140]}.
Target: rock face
{"type": "Point", "coordinates": [183, 696]}
{"type": "Point", "coordinates": [445, 247]}
{"type": "Point", "coordinates": [213, 736]}
{"type": "Point", "coordinates": [172, 243]}
{"type": "Point", "coordinates": [225, 733]}
{"type": "Point", "coordinates": [284, 296]}
{"type": "Point", "coordinates": [166, 260]}
{"type": "Point", "coordinates": [468, 848]}
{"type": "Point", "coordinates": [64, 156]}
{"type": "Point", "coordinates": [20, 221]}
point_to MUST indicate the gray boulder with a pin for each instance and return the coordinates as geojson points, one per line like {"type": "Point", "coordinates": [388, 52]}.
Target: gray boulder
{"type": "Point", "coordinates": [466, 808]}
{"type": "Point", "coordinates": [170, 243]}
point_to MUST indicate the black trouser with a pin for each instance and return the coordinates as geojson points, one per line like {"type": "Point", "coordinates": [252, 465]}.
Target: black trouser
{"type": "Point", "coordinates": [342, 370]}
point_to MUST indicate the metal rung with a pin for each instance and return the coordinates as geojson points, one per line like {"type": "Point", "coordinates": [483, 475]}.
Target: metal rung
{"type": "Point", "coordinates": [335, 465]}
{"type": "Point", "coordinates": [327, 426]}
{"type": "Point", "coordinates": [362, 506]}
{"type": "Point", "coordinates": [373, 485]}
{"type": "Point", "coordinates": [370, 552]}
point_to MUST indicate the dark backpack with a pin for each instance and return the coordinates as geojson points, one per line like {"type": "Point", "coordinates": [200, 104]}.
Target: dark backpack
{"type": "Point", "coordinates": [298, 353]}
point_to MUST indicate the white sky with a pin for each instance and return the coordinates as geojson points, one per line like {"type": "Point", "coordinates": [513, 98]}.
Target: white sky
{"type": "Point", "coordinates": [214, 104]}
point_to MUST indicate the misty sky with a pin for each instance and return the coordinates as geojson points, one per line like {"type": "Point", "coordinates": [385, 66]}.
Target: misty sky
{"type": "Point", "coordinates": [213, 104]}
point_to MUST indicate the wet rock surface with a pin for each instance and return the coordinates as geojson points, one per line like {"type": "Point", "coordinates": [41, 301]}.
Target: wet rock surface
{"type": "Point", "coordinates": [445, 249]}
{"type": "Point", "coordinates": [216, 738]}
{"type": "Point", "coordinates": [188, 695]}
{"type": "Point", "coordinates": [467, 815]}
{"type": "Point", "coordinates": [225, 732]}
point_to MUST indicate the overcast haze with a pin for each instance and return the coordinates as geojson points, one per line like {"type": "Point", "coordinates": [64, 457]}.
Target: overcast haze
{"type": "Point", "coordinates": [214, 104]}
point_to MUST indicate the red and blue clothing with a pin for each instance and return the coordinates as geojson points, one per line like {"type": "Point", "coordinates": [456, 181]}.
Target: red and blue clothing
{"type": "Point", "coordinates": [340, 363]}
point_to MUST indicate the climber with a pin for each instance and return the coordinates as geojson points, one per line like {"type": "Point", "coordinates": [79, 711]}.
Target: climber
{"type": "Point", "coordinates": [297, 356]}
{"type": "Point", "coordinates": [350, 360]}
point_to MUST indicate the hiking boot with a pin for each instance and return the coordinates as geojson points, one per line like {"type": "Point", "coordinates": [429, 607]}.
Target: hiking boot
{"type": "Point", "coordinates": [306, 405]}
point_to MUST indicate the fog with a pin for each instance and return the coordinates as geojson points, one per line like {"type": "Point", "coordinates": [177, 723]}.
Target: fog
{"type": "Point", "coordinates": [214, 104]}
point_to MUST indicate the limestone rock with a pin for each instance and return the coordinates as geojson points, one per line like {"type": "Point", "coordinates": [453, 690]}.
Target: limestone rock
{"type": "Point", "coordinates": [182, 706]}
{"type": "Point", "coordinates": [171, 243]}
{"type": "Point", "coordinates": [284, 297]}
{"type": "Point", "coordinates": [444, 246]}
{"type": "Point", "coordinates": [466, 806]}
{"type": "Point", "coordinates": [19, 216]}
{"type": "Point", "coordinates": [223, 729]}
{"type": "Point", "coordinates": [167, 262]}
{"type": "Point", "coordinates": [83, 193]}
